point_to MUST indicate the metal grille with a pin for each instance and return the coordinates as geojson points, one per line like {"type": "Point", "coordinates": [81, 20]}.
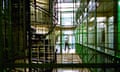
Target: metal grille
{"type": "Point", "coordinates": [33, 33]}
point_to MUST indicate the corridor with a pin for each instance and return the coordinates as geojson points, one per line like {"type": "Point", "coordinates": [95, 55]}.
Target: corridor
{"type": "Point", "coordinates": [59, 35]}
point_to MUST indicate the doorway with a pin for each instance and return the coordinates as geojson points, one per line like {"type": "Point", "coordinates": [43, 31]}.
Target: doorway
{"type": "Point", "coordinates": [60, 44]}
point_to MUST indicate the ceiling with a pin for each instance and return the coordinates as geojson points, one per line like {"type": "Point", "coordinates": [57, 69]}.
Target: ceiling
{"type": "Point", "coordinates": [105, 7]}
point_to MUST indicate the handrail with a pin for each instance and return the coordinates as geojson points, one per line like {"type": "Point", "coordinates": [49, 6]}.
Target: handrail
{"type": "Point", "coordinates": [47, 13]}
{"type": "Point", "coordinates": [42, 9]}
{"type": "Point", "coordinates": [103, 53]}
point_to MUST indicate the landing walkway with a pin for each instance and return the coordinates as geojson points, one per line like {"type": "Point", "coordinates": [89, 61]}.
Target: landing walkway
{"type": "Point", "coordinates": [69, 57]}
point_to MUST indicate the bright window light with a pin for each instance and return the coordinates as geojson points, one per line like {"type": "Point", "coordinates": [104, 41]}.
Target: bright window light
{"type": "Point", "coordinates": [91, 19]}
{"type": "Point", "coordinates": [67, 9]}
{"type": "Point", "coordinates": [90, 28]}
{"type": "Point", "coordinates": [67, 23]}
{"type": "Point", "coordinates": [119, 3]}
{"type": "Point", "coordinates": [77, 4]}
{"type": "Point", "coordinates": [101, 25]}
{"type": "Point", "coordinates": [68, 32]}
{"type": "Point", "coordinates": [65, 5]}
{"type": "Point", "coordinates": [92, 6]}
{"type": "Point", "coordinates": [99, 19]}
{"type": "Point", "coordinates": [67, 14]}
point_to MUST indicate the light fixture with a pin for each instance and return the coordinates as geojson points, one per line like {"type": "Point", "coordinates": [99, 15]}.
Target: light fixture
{"type": "Point", "coordinates": [91, 19]}
{"type": "Point", "coordinates": [99, 19]}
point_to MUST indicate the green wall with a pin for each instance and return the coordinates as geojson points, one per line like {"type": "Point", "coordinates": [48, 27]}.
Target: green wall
{"type": "Point", "coordinates": [118, 54]}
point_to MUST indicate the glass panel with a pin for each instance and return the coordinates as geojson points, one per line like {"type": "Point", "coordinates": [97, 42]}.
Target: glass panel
{"type": "Point", "coordinates": [95, 30]}
{"type": "Point", "coordinates": [118, 53]}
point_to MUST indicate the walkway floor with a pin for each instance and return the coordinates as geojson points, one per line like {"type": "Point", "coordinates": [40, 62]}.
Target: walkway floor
{"type": "Point", "coordinates": [69, 57]}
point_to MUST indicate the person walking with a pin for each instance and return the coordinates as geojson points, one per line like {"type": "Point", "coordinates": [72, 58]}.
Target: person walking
{"type": "Point", "coordinates": [66, 43]}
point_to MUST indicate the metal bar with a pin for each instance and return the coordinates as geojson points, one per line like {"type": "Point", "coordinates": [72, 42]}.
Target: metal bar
{"type": "Point", "coordinates": [115, 27]}
{"type": "Point", "coordinates": [28, 30]}
{"type": "Point", "coordinates": [83, 65]}
{"type": "Point", "coordinates": [1, 37]}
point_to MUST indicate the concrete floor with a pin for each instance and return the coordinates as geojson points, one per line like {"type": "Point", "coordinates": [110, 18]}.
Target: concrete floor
{"type": "Point", "coordinates": [69, 56]}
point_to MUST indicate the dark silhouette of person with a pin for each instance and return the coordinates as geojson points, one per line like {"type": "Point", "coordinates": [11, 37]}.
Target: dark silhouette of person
{"type": "Point", "coordinates": [66, 44]}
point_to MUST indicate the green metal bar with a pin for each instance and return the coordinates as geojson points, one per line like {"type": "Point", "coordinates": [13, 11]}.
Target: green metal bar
{"type": "Point", "coordinates": [1, 37]}
{"type": "Point", "coordinates": [118, 27]}
{"type": "Point", "coordinates": [87, 33]}
{"type": "Point", "coordinates": [10, 40]}
{"type": "Point", "coordinates": [95, 24]}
